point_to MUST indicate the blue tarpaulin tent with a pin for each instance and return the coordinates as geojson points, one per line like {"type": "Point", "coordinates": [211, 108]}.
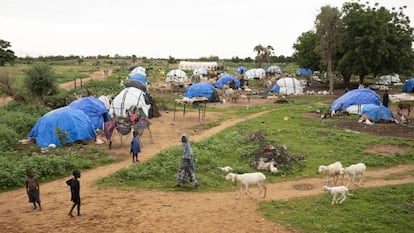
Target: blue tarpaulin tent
{"type": "Point", "coordinates": [74, 122]}
{"type": "Point", "coordinates": [275, 89]}
{"type": "Point", "coordinates": [94, 108]}
{"type": "Point", "coordinates": [241, 70]}
{"type": "Point", "coordinates": [202, 90]}
{"type": "Point", "coordinates": [226, 79]}
{"type": "Point", "coordinates": [377, 113]}
{"type": "Point", "coordinates": [138, 77]}
{"type": "Point", "coordinates": [409, 86]}
{"type": "Point", "coordinates": [304, 72]}
{"type": "Point", "coordinates": [356, 97]}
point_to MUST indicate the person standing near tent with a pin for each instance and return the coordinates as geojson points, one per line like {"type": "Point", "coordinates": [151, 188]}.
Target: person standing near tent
{"type": "Point", "coordinates": [135, 147]}
{"type": "Point", "coordinates": [33, 189]}
{"type": "Point", "coordinates": [187, 170]}
{"type": "Point", "coordinates": [74, 185]}
{"type": "Point", "coordinates": [385, 98]}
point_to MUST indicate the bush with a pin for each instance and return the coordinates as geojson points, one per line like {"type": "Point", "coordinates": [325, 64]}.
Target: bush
{"type": "Point", "coordinates": [8, 138]}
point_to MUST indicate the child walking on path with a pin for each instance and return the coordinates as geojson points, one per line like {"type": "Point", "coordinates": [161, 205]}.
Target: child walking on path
{"type": "Point", "coordinates": [135, 147]}
{"type": "Point", "coordinates": [75, 191]}
{"type": "Point", "coordinates": [33, 189]}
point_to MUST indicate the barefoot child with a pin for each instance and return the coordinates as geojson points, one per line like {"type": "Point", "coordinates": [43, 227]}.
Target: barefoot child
{"type": "Point", "coordinates": [32, 189]}
{"type": "Point", "coordinates": [75, 191]}
{"type": "Point", "coordinates": [135, 147]}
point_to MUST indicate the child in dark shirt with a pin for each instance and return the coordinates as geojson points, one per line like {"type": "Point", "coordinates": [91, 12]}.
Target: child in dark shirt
{"type": "Point", "coordinates": [75, 191]}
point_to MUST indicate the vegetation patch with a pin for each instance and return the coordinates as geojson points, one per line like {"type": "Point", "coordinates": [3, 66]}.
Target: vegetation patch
{"type": "Point", "coordinates": [382, 209]}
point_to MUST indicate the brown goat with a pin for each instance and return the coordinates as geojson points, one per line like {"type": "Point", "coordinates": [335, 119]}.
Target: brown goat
{"type": "Point", "coordinates": [402, 106]}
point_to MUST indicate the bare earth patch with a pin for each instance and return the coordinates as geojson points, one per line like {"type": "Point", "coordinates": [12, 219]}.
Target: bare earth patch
{"type": "Point", "coordinates": [386, 149]}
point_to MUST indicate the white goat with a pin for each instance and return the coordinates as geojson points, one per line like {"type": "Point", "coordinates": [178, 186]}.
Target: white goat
{"type": "Point", "coordinates": [272, 168]}
{"type": "Point", "coordinates": [332, 170]}
{"type": "Point", "coordinates": [226, 169]}
{"type": "Point", "coordinates": [247, 179]}
{"type": "Point", "coordinates": [262, 165]}
{"type": "Point", "coordinates": [334, 191]}
{"type": "Point", "coordinates": [354, 170]}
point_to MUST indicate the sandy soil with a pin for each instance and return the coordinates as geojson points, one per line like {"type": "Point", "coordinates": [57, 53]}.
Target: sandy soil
{"type": "Point", "coordinates": [113, 210]}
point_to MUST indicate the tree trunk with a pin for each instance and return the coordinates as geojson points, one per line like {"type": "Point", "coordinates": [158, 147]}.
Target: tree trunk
{"type": "Point", "coordinates": [330, 76]}
{"type": "Point", "coordinates": [347, 78]}
{"type": "Point", "coordinates": [361, 78]}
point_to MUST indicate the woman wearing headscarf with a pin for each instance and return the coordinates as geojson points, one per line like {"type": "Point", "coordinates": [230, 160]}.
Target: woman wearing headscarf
{"type": "Point", "coordinates": [187, 171]}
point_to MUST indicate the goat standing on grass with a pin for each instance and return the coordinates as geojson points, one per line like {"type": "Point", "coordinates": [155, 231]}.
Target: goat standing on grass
{"type": "Point", "coordinates": [353, 171]}
{"type": "Point", "coordinates": [247, 179]}
{"type": "Point", "coordinates": [332, 170]}
{"type": "Point", "coordinates": [334, 191]}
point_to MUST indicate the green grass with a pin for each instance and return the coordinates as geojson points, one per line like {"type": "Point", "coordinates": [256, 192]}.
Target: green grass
{"type": "Point", "coordinates": [312, 139]}
{"type": "Point", "coordinates": [374, 210]}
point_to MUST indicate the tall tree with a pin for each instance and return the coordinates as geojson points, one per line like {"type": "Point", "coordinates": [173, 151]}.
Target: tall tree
{"type": "Point", "coordinates": [263, 53]}
{"type": "Point", "coordinates": [306, 53]}
{"type": "Point", "coordinates": [259, 49]}
{"type": "Point", "coordinates": [6, 55]}
{"type": "Point", "coordinates": [268, 52]}
{"type": "Point", "coordinates": [328, 28]}
{"type": "Point", "coordinates": [375, 41]}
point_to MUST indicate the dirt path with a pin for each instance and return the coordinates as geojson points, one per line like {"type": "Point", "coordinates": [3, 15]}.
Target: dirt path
{"type": "Point", "coordinates": [113, 210]}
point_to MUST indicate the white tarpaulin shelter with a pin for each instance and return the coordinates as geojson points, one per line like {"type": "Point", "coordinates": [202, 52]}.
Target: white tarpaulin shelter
{"type": "Point", "coordinates": [395, 98]}
{"type": "Point", "coordinates": [255, 74]}
{"type": "Point", "coordinates": [191, 65]}
{"type": "Point", "coordinates": [390, 79]}
{"type": "Point", "coordinates": [273, 69]}
{"type": "Point", "coordinates": [176, 76]}
{"type": "Point", "coordinates": [138, 70]}
{"type": "Point", "coordinates": [125, 99]}
{"type": "Point", "coordinates": [290, 86]}
{"type": "Point", "coordinates": [202, 71]}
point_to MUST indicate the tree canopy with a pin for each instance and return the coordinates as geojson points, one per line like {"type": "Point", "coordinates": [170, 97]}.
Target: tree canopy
{"type": "Point", "coordinates": [306, 53]}
{"type": "Point", "coordinates": [371, 41]}
{"type": "Point", "coordinates": [6, 55]}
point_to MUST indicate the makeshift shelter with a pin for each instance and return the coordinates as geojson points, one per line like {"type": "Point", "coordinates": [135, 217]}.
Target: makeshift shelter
{"type": "Point", "coordinates": [132, 67]}
{"type": "Point", "coordinates": [273, 69]}
{"type": "Point", "coordinates": [137, 84]}
{"type": "Point", "coordinates": [128, 97]}
{"type": "Point", "coordinates": [202, 90]}
{"type": "Point", "coordinates": [389, 79]}
{"type": "Point", "coordinates": [304, 72]}
{"type": "Point", "coordinates": [73, 125]}
{"type": "Point", "coordinates": [106, 100]}
{"type": "Point", "coordinates": [94, 108]}
{"type": "Point", "coordinates": [377, 113]}
{"type": "Point", "coordinates": [176, 75]}
{"type": "Point", "coordinates": [408, 86]}
{"type": "Point", "coordinates": [356, 97]}
{"type": "Point", "coordinates": [287, 86]}
{"type": "Point", "coordinates": [201, 70]}
{"type": "Point", "coordinates": [139, 77]}
{"type": "Point", "coordinates": [191, 65]}
{"type": "Point", "coordinates": [226, 80]}
{"type": "Point", "coordinates": [139, 70]}
{"type": "Point", "coordinates": [241, 70]}
{"type": "Point", "coordinates": [255, 74]}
